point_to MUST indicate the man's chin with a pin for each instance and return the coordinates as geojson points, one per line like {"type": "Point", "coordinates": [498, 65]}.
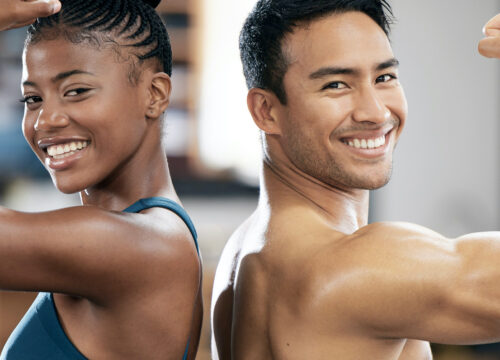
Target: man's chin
{"type": "Point", "coordinates": [370, 182]}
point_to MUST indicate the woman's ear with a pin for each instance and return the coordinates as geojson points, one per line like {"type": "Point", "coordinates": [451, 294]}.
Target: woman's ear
{"type": "Point", "coordinates": [160, 87]}
{"type": "Point", "coordinates": [265, 109]}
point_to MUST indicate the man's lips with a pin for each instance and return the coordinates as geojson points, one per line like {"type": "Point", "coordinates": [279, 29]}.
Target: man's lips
{"type": "Point", "coordinates": [367, 139]}
{"type": "Point", "coordinates": [365, 143]}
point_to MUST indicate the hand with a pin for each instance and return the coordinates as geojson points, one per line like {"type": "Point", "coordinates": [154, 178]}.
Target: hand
{"type": "Point", "coordinates": [490, 46]}
{"type": "Point", "coordinates": [19, 13]}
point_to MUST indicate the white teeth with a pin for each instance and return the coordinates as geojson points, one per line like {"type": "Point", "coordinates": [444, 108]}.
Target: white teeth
{"type": "Point", "coordinates": [367, 143]}
{"type": "Point", "coordinates": [64, 150]}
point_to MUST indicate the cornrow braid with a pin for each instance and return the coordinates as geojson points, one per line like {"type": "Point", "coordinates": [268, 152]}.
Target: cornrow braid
{"type": "Point", "coordinates": [133, 24]}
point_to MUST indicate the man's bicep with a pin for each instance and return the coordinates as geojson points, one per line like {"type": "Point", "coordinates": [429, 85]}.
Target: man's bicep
{"type": "Point", "coordinates": [408, 282]}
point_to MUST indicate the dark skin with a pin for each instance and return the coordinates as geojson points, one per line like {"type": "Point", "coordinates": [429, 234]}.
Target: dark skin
{"type": "Point", "coordinates": [19, 13]}
{"type": "Point", "coordinates": [306, 276]}
{"type": "Point", "coordinates": [125, 285]}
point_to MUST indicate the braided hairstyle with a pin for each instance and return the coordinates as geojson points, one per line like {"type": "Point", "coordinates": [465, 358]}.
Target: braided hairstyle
{"type": "Point", "coordinates": [130, 24]}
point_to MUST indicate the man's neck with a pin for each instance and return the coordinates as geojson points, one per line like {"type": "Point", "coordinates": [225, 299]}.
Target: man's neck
{"type": "Point", "coordinates": [346, 210]}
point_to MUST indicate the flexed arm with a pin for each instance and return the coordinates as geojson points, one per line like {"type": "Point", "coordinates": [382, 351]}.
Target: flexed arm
{"type": "Point", "coordinates": [87, 251]}
{"type": "Point", "coordinates": [409, 282]}
{"type": "Point", "coordinates": [18, 13]}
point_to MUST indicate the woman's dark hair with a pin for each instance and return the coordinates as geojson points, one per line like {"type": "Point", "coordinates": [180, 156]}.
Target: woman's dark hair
{"type": "Point", "coordinates": [130, 24]}
{"type": "Point", "coordinates": [264, 63]}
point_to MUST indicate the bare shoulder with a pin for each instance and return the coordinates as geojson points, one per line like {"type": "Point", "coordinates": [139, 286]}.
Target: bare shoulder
{"type": "Point", "coordinates": [400, 267]}
{"type": "Point", "coordinates": [147, 277]}
{"type": "Point", "coordinates": [165, 251]}
{"type": "Point", "coordinates": [398, 230]}
{"type": "Point", "coordinates": [379, 247]}
{"type": "Point", "coordinates": [92, 252]}
{"type": "Point", "coordinates": [170, 231]}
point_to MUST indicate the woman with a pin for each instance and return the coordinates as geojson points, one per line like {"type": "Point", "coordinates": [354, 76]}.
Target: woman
{"type": "Point", "coordinates": [115, 283]}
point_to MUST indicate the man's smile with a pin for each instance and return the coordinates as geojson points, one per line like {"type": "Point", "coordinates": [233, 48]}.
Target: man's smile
{"type": "Point", "coordinates": [366, 143]}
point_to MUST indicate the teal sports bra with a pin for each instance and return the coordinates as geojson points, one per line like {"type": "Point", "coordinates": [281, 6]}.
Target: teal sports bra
{"type": "Point", "coordinates": [39, 335]}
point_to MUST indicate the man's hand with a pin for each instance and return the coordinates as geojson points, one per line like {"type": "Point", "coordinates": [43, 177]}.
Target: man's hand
{"type": "Point", "coordinates": [19, 13]}
{"type": "Point", "coordinates": [490, 46]}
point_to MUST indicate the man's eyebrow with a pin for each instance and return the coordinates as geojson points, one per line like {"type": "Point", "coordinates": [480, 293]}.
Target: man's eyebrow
{"type": "Point", "coordinates": [61, 76]}
{"type": "Point", "coordinates": [334, 70]}
{"type": "Point", "coordinates": [387, 64]}
{"type": "Point", "coordinates": [331, 70]}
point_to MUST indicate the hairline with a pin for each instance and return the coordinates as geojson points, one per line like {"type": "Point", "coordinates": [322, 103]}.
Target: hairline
{"type": "Point", "coordinates": [301, 24]}
{"type": "Point", "coordinates": [100, 40]}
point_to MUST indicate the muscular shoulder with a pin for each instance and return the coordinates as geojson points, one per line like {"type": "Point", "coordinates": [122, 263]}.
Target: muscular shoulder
{"type": "Point", "coordinates": [151, 250]}
{"type": "Point", "coordinates": [166, 246]}
{"type": "Point", "coordinates": [382, 262]}
{"type": "Point", "coordinates": [377, 246]}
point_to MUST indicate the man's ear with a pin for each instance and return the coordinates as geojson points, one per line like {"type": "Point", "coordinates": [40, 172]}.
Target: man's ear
{"type": "Point", "coordinates": [160, 87]}
{"type": "Point", "coordinates": [265, 108]}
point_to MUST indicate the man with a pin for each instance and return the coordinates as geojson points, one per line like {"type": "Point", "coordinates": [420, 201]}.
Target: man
{"type": "Point", "coordinates": [19, 13]}
{"type": "Point", "coordinates": [306, 277]}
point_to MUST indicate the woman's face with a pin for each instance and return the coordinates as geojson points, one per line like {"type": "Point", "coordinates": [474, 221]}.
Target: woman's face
{"type": "Point", "coordinates": [83, 118]}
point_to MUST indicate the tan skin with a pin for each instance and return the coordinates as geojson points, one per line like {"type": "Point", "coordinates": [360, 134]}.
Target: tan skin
{"type": "Point", "coordinates": [125, 285]}
{"type": "Point", "coordinates": [19, 13]}
{"type": "Point", "coordinates": [306, 277]}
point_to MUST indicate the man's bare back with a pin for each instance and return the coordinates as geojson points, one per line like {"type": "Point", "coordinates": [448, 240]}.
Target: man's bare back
{"type": "Point", "coordinates": [291, 285]}
{"type": "Point", "coordinates": [306, 276]}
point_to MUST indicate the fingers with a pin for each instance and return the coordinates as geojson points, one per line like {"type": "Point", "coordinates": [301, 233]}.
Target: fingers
{"type": "Point", "coordinates": [490, 46]}
{"type": "Point", "coordinates": [38, 8]}
{"type": "Point", "coordinates": [18, 13]}
{"type": "Point", "coordinates": [492, 27]}
{"type": "Point", "coordinates": [20, 25]}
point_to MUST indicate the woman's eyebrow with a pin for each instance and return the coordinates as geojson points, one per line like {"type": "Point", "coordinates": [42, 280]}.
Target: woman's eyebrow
{"type": "Point", "coordinates": [67, 74]}
{"type": "Point", "coordinates": [61, 76]}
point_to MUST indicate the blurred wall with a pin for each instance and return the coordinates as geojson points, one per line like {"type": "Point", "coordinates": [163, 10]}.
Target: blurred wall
{"type": "Point", "coordinates": [447, 165]}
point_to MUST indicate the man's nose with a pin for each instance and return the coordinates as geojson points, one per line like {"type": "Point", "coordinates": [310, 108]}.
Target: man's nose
{"type": "Point", "coordinates": [370, 107]}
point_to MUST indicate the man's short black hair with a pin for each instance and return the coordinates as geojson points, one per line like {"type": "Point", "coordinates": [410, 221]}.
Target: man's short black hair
{"type": "Point", "coordinates": [264, 62]}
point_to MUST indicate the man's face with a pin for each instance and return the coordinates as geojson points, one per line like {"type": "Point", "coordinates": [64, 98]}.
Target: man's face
{"type": "Point", "coordinates": [345, 108]}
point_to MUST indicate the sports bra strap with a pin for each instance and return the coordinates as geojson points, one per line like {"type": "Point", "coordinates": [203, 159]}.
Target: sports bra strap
{"type": "Point", "coordinates": [168, 204]}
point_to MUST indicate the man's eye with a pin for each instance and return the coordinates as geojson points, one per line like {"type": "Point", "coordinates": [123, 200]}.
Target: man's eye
{"type": "Point", "coordinates": [335, 85]}
{"type": "Point", "coordinates": [386, 78]}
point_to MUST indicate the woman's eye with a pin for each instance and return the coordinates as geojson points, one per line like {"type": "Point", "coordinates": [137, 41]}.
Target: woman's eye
{"type": "Point", "coordinates": [385, 78]}
{"type": "Point", "coordinates": [76, 92]}
{"type": "Point", "coordinates": [31, 99]}
{"type": "Point", "coordinates": [335, 85]}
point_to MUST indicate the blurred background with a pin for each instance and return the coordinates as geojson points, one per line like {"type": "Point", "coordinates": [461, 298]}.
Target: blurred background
{"type": "Point", "coordinates": [446, 171]}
